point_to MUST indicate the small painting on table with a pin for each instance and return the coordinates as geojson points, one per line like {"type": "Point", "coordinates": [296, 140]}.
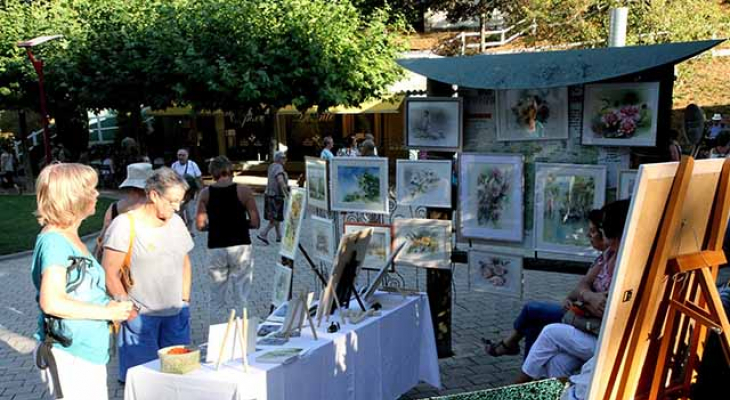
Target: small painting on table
{"type": "Point", "coordinates": [424, 183]}
{"type": "Point", "coordinates": [293, 222]}
{"type": "Point", "coordinates": [379, 247]}
{"type": "Point", "coordinates": [434, 123]}
{"type": "Point", "coordinates": [317, 185]}
{"type": "Point", "coordinates": [532, 114]}
{"type": "Point", "coordinates": [496, 273]}
{"type": "Point", "coordinates": [626, 180]}
{"type": "Point", "coordinates": [360, 184]}
{"type": "Point", "coordinates": [621, 114]}
{"type": "Point", "coordinates": [323, 235]}
{"type": "Point", "coordinates": [282, 284]}
{"type": "Point", "coordinates": [428, 242]}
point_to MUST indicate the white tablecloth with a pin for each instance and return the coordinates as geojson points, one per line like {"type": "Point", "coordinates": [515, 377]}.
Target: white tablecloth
{"type": "Point", "coordinates": [379, 358]}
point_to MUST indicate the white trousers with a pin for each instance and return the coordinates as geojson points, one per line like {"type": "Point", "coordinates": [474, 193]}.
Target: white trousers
{"type": "Point", "coordinates": [229, 264]}
{"type": "Point", "coordinates": [80, 379]}
{"type": "Point", "coordinates": [559, 351]}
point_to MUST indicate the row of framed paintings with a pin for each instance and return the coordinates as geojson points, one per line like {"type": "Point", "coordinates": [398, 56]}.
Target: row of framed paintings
{"type": "Point", "coordinates": [614, 114]}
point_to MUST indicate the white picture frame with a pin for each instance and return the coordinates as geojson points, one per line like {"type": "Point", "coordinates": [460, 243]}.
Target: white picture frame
{"type": "Point", "coordinates": [496, 273]}
{"type": "Point", "coordinates": [293, 218]}
{"type": "Point", "coordinates": [434, 123]}
{"type": "Point", "coordinates": [317, 183]}
{"type": "Point", "coordinates": [282, 284]}
{"type": "Point", "coordinates": [532, 114]}
{"type": "Point", "coordinates": [359, 184]}
{"type": "Point", "coordinates": [433, 252]}
{"type": "Point", "coordinates": [323, 238]}
{"type": "Point", "coordinates": [626, 182]}
{"type": "Point", "coordinates": [380, 245]}
{"type": "Point", "coordinates": [491, 196]}
{"type": "Point", "coordinates": [424, 183]}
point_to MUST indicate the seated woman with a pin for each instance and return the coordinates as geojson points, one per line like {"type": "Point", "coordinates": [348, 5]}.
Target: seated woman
{"type": "Point", "coordinates": [536, 314]}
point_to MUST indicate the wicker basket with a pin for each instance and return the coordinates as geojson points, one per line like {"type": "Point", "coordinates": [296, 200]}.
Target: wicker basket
{"type": "Point", "coordinates": [178, 363]}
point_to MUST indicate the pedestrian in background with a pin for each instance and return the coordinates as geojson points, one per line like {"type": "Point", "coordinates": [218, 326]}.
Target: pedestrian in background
{"type": "Point", "coordinates": [326, 153]}
{"type": "Point", "coordinates": [277, 190]}
{"type": "Point", "coordinates": [188, 170]}
{"type": "Point", "coordinates": [370, 137]}
{"type": "Point", "coordinates": [351, 149]}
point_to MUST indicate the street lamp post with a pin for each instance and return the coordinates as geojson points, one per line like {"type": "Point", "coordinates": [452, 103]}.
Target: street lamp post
{"type": "Point", "coordinates": [38, 66]}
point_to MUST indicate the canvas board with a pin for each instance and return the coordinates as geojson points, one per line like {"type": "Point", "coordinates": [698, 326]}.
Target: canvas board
{"type": "Point", "coordinates": [380, 244]}
{"type": "Point", "coordinates": [564, 195]}
{"type": "Point", "coordinates": [621, 114]}
{"type": "Point", "coordinates": [428, 242]}
{"type": "Point", "coordinates": [323, 237]}
{"type": "Point", "coordinates": [626, 182]}
{"type": "Point", "coordinates": [496, 273]}
{"type": "Point", "coordinates": [293, 218]}
{"type": "Point", "coordinates": [532, 114]}
{"type": "Point", "coordinates": [653, 185]}
{"type": "Point", "coordinates": [434, 123]}
{"type": "Point", "coordinates": [232, 349]}
{"type": "Point", "coordinates": [359, 184]}
{"type": "Point", "coordinates": [317, 184]}
{"type": "Point", "coordinates": [491, 196]}
{"type": "Point", "coordinates": [282, 284]}
{"type": "Point", "coordinates": [424, 183]}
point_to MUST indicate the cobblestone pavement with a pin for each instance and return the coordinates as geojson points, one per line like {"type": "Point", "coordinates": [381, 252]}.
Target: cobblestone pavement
{"type": "Point", "coordinates": [474, 315]}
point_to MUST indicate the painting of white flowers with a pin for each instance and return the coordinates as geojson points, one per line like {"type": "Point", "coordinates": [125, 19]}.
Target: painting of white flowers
{"type": "Point", "coordinates": [490, 197]}
{"type": "Point", "coordinates": [428, 242]}
{"type": "Point", "coordinates": [621, 114]}
{"type": "Point", "coordinates": [626, 181]}
{"type": "Point", "coordinates": [293, 222]}
{"type": "Point", "coordinates": [496, 273]}
{"type": "Point", "coordinates": [323, 237]}
{"type": "Point", "coordinates": [379, 247]}
{"type": "Point", "coordinates": [564, 196]}
{"type": "Point", "coordinates": [282, 283]}
{"type": "Point", "coordinates": [359, 184]}
{"type": "Point", "coordinates": [532, 114]}
{"type": "Point", "coordinates": [434, 123]}
{"type": "Point", "coordinates": [317, 187]}
{"type": "Point", "coordinates": [424, 183]}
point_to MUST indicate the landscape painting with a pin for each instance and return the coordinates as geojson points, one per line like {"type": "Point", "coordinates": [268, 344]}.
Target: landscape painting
{"type": "Point", "coordinates": [360, 184]}
{"type": "Point", "coordinates": [490, 198]}
{"type": "Point", "coordinates": [282, 283]}
{"type": "Point", "coordinates": [564, 195]}
{"type": "Point", "coordinates": [379, 247]}
{"type": "Point", "coordinates": [424, 183]}
{"type": "Point", "coordinates": [621, 114]}
{"type": "Point", "coordinates": [532, 114]}
{"type": "Point", "coordinates": [293, 222]}
{"type": "Point", "coordinates": [317, 186]}
{"type": "Point", "coordinates": [323, 236]}
{"type": "Point", "coordinates": [626, 180]}
{"type": "Point", "coordinates": [434, 123]}
{"type": "Point", "coordinates": [496, 273]}
{"type": "Point", "coordinates": [428, 242]}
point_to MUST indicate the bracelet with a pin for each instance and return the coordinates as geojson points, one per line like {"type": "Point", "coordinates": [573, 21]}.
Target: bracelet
{"type": "Point", "coordinates": [186, 300]}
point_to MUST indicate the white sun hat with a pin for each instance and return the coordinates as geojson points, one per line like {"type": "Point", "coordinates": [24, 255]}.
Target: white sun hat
{"type": "Point", "coordinates": [717, 117]}
{"type": "Point", "coordinates": [137, 175]}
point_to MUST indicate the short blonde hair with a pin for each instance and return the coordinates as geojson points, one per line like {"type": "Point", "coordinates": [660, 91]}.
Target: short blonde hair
{"type": "Point", "coordinates": [64, 193]}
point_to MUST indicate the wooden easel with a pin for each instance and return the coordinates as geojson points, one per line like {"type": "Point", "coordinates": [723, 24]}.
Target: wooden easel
{"type": "Point", "coordinates": [690, 300]}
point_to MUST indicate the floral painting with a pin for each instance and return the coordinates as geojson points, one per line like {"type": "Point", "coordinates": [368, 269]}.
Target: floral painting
{"type": "Point", "coordinates": [428, 242]}
{"type": "Point", "coordinates": [621, 114]}
{"type": "Point", "coordinates": [626, 181]}
{"type": "Point", "coordinates": [323, 237]}
{"type": "Point", "coordinates": [360, 184]}
{"type": "Point", "coordinates": [491, 197]}
{"type": "Point", "coordinates": [379, 247]}
{"type": "Point", "coordinates": [532, 114]}
{"type": "Point", "coordinates": [496, 273]}
{"type": "Point", "coordinates": [282, 283]}
{"type": "Point", "coordinates": [434, 123]}
{"type": "Point", "coordinates": [293, 222]}
{"type": "Point", "coordinates": [317, 187]}
{"type": "Point", "coordinates": [424, 183]}
{"type": "Point", "coordinates": [564, 195]}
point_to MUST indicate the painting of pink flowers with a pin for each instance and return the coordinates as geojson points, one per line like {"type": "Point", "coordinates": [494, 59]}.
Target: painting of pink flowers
{"type": "Point", "coordinates": [495, 273]}
{"type": "Point", "coordinates": [620, 114]}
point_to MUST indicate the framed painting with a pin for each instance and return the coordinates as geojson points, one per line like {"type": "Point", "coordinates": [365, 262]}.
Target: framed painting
{"type": "Point", "coordinates": [428, 242]}
{"type": "Point", "coordinates": [379, 247]}
{"type": "Point", "coordinates": [626, 180]}
{"type": "Point", "coordinates": [282, 284]}
{"type": "Point", "coordinates": [293, 222]}
{"type": "Point", "coordinates": [434, 123]}
{"type": "Point", "coordinates": [317, 186]}
{"type": "Point", "coordinates": [323, 235]}
{"type": "Point", "coordinates": [424, 183]}
{"type": "Point", "coordinates": [496, 273]}
{"type": "Point", "coordinates": [490, 196]}
{"type": "Point", "coordinates": [621, 114]}
{"type": "Point", "coordinates": [564, 195]}
{"type": "Point", "coordinates": [359, 184]}
{"type": "Point", "coordinates": [532, 114]}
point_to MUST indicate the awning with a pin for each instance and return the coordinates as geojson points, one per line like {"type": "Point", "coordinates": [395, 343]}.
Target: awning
{"type": "Point", "coordinates": [552, 68]}
{"type": "Point", "coordinates": [382, 106]}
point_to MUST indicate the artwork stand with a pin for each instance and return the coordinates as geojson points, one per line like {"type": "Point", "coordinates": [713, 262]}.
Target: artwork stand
{"type": "Point", "coordinates": [311, 264]}
{"type": "Point", "coordinates": [346, 287]}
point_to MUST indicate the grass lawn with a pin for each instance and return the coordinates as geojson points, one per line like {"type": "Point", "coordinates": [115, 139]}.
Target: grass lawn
{"type": "Point", "coordinates": [18, 226]}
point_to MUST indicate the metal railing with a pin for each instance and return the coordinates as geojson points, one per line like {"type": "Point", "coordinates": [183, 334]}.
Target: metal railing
{"type": "Point", "coordinates": [504, 36]}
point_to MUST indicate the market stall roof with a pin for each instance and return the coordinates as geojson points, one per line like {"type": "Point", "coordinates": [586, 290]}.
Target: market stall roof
{"type": "Point", "coordinates": [552, 68]}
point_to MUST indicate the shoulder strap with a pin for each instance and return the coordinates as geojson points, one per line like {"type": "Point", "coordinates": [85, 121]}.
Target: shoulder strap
{"type": "Point", "coordinates": [115, 209]}
{"type": "Point", "coordinates": [128, 257]}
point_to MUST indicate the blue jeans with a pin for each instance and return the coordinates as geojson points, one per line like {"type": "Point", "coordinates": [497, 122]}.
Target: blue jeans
{"type": "Point", "coordinates": [140, 338]}
{"type": "Point", "coordinates": [534, 316]}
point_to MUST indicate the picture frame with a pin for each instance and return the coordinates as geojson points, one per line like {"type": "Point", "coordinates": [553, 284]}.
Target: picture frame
{"type": "Point", "coordinates": [317, 182]}
{"type": "Point", "coordinates": [381, 243]}
{"type": "Point", "coordinates": [532, 114]}
{"type": "Point", "coordinates": [428, 242]}
{"type": "Point", "coordinates": [293, 218]}
{"type": "Point", "coordinates": [621, 114]}
{"type": "Point", "coordinates": [564, 195]}
{"type": "Point", "coordinates": [626, 182]}
{"type": "Point", "coordinates": [424, 183]}
{"type": "Point", "coordinates": [359, 184]}
{"type": "Point", "coordinates": [496, 273]}
{"type": "Point", "coordinates": [434, 123]}
{"type": "Point", "coordinates": [282, 284]}
{"type": "Point", "coordinates": [323, 235]}
{"type": "Point", "coordinates": [491, 196]}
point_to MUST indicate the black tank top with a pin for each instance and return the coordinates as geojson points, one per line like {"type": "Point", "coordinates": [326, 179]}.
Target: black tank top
{"type": "Point", "coordinates": [227, 218]}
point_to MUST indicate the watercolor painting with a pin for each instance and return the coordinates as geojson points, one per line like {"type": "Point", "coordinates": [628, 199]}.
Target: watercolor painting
{"type": "Point", "coordinates": [360, 184]}
{"type": "Point", "coordinates": [496, 273]}
{"type": "Point", "coordinates": [532, 114]}
{"type": "Point", "coordinates": [428, 242]}
{"type": "Point", "coordinates": [564, 195]}
{"type": "Point", "coordinates": [626, 181]}
{"type": "Point", "coordinates": [434, 123]}
{"type": "Point", "coordinates": [317, 186]}
{"type": "Point", "coordinates": [379, 247]}
{"type": "Point", "coordinates": [424, 183]}
{"type": "Point", "coordinates": [323, 236]}
{"type": "Point", "coordinates": [621, 114]}
{"type": "Point", "coordinates": [491, 196]}
{"type": "Point", "coordinates": [282, 283]}
{"type": "Point", "coordinates": [292, 222]}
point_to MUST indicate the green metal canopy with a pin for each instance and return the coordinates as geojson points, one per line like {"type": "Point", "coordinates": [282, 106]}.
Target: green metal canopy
{"type": "Point", "coordinates": [552, 68]}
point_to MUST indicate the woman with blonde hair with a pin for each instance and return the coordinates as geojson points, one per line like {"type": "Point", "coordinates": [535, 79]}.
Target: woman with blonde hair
{"type": "Point", "coordinates": [75, 308]}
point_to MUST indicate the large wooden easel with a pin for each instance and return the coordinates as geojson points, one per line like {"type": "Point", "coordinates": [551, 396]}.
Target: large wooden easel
{"type": "Point", "coordinates": [690, 302]}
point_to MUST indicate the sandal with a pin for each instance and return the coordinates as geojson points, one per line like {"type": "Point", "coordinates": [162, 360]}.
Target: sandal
{"type": "Point", "coordinates": [263, 239]}
{"type": "Point", "coordinates": [499, 349]}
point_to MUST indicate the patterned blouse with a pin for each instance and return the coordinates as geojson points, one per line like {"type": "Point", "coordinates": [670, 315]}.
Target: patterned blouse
{"type": "Point", "coordinates": [607, 261]}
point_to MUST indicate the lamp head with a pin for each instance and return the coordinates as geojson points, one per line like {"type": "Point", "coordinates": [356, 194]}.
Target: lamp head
{"type": "Point", "coordinates": [39, 40]}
